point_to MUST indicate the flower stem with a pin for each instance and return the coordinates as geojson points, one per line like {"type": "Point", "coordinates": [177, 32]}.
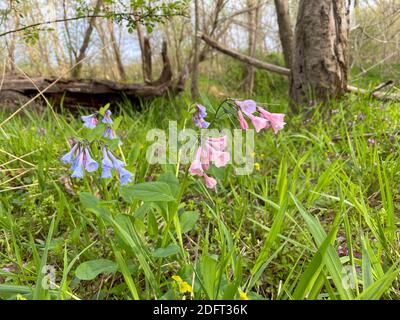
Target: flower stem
{"type": "Point", "coordinates": [216, 112]}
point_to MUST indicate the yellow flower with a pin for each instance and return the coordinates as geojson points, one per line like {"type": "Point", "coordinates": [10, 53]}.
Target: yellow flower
{"type": "Point", "coordinates": [183, 285]}
{"type": "Point", "coordinates": [21, 297]}
{"type": "Point", "coordinates": [177, 279]}
{"type": "Point", "coordinates": [243, 295]}
{"type": "Point", "coordinates": [257, 166]}
{"type": "Point", "coordinates": [253, 154]}
{"type": "Point", "coordinates": [262, 155]}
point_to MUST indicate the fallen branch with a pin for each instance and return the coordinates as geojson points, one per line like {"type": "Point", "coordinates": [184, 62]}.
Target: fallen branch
{"type": "Point", "coordinates": [383, 85]}
{"type": "Point", "coordinates": [285, 71]}
{"type": "Point", "coordinates": [89, 92]}
{"type": "Point", "coordinates": [376, 94]}
{"type": "Point", "coordinates": [246, 59]}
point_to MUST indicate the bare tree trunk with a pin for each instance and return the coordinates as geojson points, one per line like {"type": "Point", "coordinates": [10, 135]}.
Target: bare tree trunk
{"type": "Point", "coordinates": [12, 46]}
{"type": "Point", "coordinates": [116, 50]}
{"type": "Point", "coordinates": [106, 60]}
{"type": "Point", "coordinates": [147, 58]}
{"type": "Point", "coordinates": [42, 51]}
{"type": "Point", "coordinates": [57, 47]}
{"type": "Point", "coordinates": [253, 23]}
{"type": "Point", "coordinates": [145, 49]}
{"type": "Point", "coordinates": [219, 6]}
{"type": "Point", "coordinates": [72, 55]}
{"type": "Point", "coordinates": [195, 68]}
{"type": "Point", "coordinates": [319, 71]}
{"type": "Point", "coordinates": [285, 30]}
{"type": "Point", "coordinates": [85, 44]}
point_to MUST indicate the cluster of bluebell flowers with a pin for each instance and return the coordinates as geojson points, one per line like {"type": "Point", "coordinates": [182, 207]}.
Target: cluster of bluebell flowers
{"type": "Point", "coordinates": [199, 115]}
{"type": "Point", "coordinates": [80, 158]}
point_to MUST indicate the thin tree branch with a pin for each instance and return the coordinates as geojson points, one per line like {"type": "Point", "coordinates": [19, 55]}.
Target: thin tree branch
{"type": "Point", "coordinates": [285, 71]}
{"type": "Point", "coordinates": [246, 59]}
{"type": "Point", "coordinates": [34, 25]}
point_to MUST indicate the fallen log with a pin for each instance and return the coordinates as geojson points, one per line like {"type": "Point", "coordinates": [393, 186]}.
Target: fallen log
{"type": "Point", "coordinates": [89, 92]}
{"type": "Point", "coordinates": [285, 71]}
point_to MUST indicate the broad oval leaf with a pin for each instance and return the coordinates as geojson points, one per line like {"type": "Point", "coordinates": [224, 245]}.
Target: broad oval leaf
{"type": "Point", "coordinates": [91, 269]}
{"type": "Point", "coordinates": [88, 200]}
{"type": "Point", "coordinates": [188, 220]}
{"type": "Point", "coordinates": [147, 191]}
{"type": "Point", "coordinates": [167, 251]}
{"type": "Point", "coordinates": [173, 182]}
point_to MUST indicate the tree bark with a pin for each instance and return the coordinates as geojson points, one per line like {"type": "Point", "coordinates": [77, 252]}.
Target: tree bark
{"type": "Point", "coordinates": [116, 50]}
{"type": "Point", "coordinates": [285, 30]}
{"type": "Point", "coordinates": [320, 59]}
{"type": "Point", "coordinates": [145, 49]}
{"type": "Point", "coordinates": [85, 44]}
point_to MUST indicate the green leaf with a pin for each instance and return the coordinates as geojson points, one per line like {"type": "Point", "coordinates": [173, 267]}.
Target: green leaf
{"type": "Point", "coordinates": [141, 211]}
{"type": "Point", "coordinates": [152, 225]}
{"type": "Point", "coordinates": [172, 181]}
{"type": "Point", "coordinates": [230, 291]}
{"type": "Point", "coordinates": [209, 270]}
{"type": "Point", "coordinates": [40, 290]}
{"type": "Point", "coordinates": [367, 276]}
{"type": "Point", "coordinates": [112, 144]}
{"type": "Point", "coordinates": [188, 220]}
{"type": "Point", "coordinates": [125, 230]}
{"type": "Point", "coordinates": [167, 251]}
{"type": "Point", "coordinates": [95, 133]}
{"type": "Point", "coordinates": [14, 289]}
{"type": "Point", "coordinates": [91, 269]}
{"type": "Point", "coordinates": [272, 236]}
{"type": "Point", "coordinates": [103, 110]}
{"type": "Point", "coordinates": [379, 287]}
{"type": "Point", "coordinates": [133, 154]}
{"type": "Point", "coordinates": [126, 273]}
{"type": "Point", "coordinates": [117, 123]}
{"type": "Point", "coordinates": [312, 272]}
{"type": "Point", "coordinates": [93, 204]}
{"type": "Point", "coordinates": [332, 260]}
{"type": "Point", "coordinates": [88, 200]}
{"type": "Point", "coordinates": [147, 191]}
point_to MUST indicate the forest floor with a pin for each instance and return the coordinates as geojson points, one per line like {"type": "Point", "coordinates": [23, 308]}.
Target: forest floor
{"type": "Point", "coordinates": [317, 219]}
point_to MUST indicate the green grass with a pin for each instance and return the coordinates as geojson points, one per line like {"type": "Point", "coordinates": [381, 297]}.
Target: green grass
{"type": "Point", "coordinates": [275, 234]}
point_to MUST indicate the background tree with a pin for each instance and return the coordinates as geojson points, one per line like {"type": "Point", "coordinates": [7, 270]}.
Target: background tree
{"type": "Point", "coordinates": [320, 60]}
{"type": "Point", "coordinates": [47, 40]}
{"type": "Point", "coordinates": [145, 50]}
{"type": "Point", "coordinates": [85, 44]}
{"type": "Point", "coordinates": [285, 30]}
